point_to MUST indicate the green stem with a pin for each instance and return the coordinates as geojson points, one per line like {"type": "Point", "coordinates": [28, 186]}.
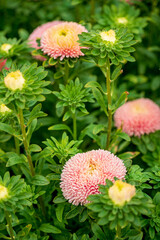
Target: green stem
{"type": "Point", "coordinates": [16, 140]}
{"type": "Point", "coordinates": [25, 142]}
{"type": "Point", "coordinates": [74, 127]}
{"type": "Point", "coordinates": [26, 146]}
{"type": "Point", "coordinates": [66, 73]}
{"type": "Point", "coordinates": [118, 233]}
{"type": "Point", "coordinates": [9, 222]}
{"type": "Point", "coordinates": [108, 85]}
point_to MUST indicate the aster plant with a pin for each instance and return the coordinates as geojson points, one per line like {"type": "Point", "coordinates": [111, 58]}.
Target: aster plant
{"type": "Point", "coordinates": [58, 180]}
{"type": "Point", "coordinates": [119, 206]}
{"type": "Point", "coordinates": [73, 96]}
{"type": "Point", "coordinates": [14, 195]}
{"type": "Point", "coordinates": [12, 47]}
{"type": "Point", "coordinates": [122, 15]}
{"type": "Point", "coordinates": [108, 48]}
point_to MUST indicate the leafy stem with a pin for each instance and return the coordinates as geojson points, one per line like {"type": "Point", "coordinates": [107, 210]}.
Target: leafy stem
{"type": "Point", "coordinates": [8, 218]}
{"type": "Point", "coordinates": [74, 126]}
{"type": "Point", "coordinates": [26, 146]}
{"type": "Point", "coordinates": [108, 85]}
{"type": "Point", "coordinates": [25, 142]}
{"type": "Point", "coordinates": [16, 141]}
{"type": "Point", "coordinates": [66, 76]}
{"type": "Point", "coordinates": [118, 233]}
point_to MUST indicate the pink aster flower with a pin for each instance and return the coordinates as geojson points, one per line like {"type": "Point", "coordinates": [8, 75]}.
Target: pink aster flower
{"type": "Point", "coordinates": [61, 40]}
{"type": "Point", "coordinates": [138, 117]}
{"type": "Point", "coordinates": [37, 33]}
{"type": "Point", "coordinates": [83, 172]}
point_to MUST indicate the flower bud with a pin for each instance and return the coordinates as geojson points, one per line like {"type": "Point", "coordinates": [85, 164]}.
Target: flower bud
{"type": "Point", "coordinates": [4, 109]}
{"type": "Point", "coordinates": [121, 192]}
{"type": "Point", "coordinates": [122, 20]}
{"type": "Point", "coordinates": [14, 80]}
{"type": "Point", "coordinates": [5, 47]}
{"type": "Point", "coordinates": [109, 36]}
{"type": "Point", "coordinates": [3, 192]}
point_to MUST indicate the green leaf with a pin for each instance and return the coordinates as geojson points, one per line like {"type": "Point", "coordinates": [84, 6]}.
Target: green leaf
{"type": "Point", "coordinates": [124, 136]}
{"type": "Point", "coordinates": [48, 228]}
{"type": "Point", "coordinates": [72, 213]}
{"type": "Point", "coordinates": [60, 127]}
{"type": "Point", "coordinates": [54, 177]}
{"type": "Point", "coordinates": [120, 101]}
{"type": "Point", "coordinates": [66, 116]}
{"type": "Point", "coordinates": [59, 212]}
{"type": "Point", "coordinates": [58, 75]}
{"type": "Point", "coordinates": [97, 94]}
{"type": "Point", "coordinates": [98, 128]}
{"type": "Point", "coordinates": [52, 61]}
{"type": "Point", "coordinates": [130, 59]}
{"type": "Point", "coordinates": [40, 180]}
{"type": "Point", "coordinates": [35, 113]}
{"type": "Point", "coordinates": [116, 72]}
{"type": "Point", "coordinates": [101, 62]}
{"type": "Point", "coordinates": [14, 159]}
{"type": "Point", "coordinates": [34, 148]}
{"type": "Point", "coordinates": [2, 236]}
{"type": "Point", "coordinates": [96, 229]}
{"type": "Point", "coordinates": [6, 128]}
{"type": "Point", "coordinates": [93, 84]}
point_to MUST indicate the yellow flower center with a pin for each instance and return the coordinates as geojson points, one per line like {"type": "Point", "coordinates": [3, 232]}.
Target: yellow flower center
{"type": "Point", "coordinates": [137, 109]}
{"type": "Point", "coordinates": [122, 20]}
{"type": "Point", "coordinates": [63, 33]}
{"type": "Point", "coordinates": [14, 80]}
{"type": "Point", "coordinates": [92, 167]}
{"type": "Point", "coordinates": [109, 36]}
{"type": "Point", "coordinates": [121, 192]}
{"type": "Point", "coordinates": [3, 192]}
{"type": "Point", "coordinates": [5, 47]}
{"type": "Point", "coordinates": [4, 108]}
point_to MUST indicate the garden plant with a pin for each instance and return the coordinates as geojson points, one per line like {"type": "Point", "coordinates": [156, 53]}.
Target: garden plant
{"type": "Point", "coordinates": [79, 120]}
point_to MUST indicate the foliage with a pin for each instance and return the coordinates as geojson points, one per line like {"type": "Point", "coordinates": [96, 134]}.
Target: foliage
{"type": "Point", "coordinates": [79, 98]}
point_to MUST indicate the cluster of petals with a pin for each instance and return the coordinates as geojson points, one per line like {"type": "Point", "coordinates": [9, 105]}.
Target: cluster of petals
{"type": "Point", "coordinates": [4, 109]}
{"type": "Point", "coordinates": [3, 192]}
{"type": "Point", "coordinates": [121, 192]}
{"type": "Point", "coordinates": [83, 173]}
{"type": "Point", "coordinates": [14, 80]}
{"type": "Point", "coordinates": [61, 40]}
{"type": "Point", "coordinates": [37, 34]}
{"type": "Point", "coordinates": [138, 117]}
{"type": "Point", "coordinates": [108, 36]}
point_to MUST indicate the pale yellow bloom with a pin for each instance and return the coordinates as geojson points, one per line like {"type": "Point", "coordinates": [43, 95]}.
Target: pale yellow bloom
{"type": "Point", "coordinates": [4, 108]}
{"type": "Point", "coordinates": [121, 192]}
{"type": "Point", "coordinates": [109, 36]}
{"type": "Point", "coordinates": [5, 47]}
{"type": "Point", "coordinates": [122, 20]}
{"type": "Point", "coordinates": [14, 80]}
{"type": "Point", "coordinates": [3, 192]}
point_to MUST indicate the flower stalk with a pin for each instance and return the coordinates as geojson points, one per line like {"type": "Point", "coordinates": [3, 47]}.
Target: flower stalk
{"type": "Point", "coordinates": [74, 127]}
{"type": "Point", "coordinates": [118, 233]}
{"type": "Point", "coordinates": [108, 85]}
{"type": "Point", "coordinates": [16, 141]}
{"type": "Point", "coordinates": [25, 142]}
{"type": "Point", "coordinates": [8, 218]}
